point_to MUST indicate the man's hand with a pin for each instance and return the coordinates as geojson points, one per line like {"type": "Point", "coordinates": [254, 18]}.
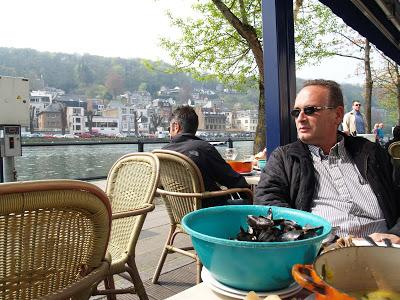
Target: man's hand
{"type": "Point", "coordinates": [378, 237]}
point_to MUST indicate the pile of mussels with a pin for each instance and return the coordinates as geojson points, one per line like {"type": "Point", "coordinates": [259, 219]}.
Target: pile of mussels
{"type": "Point", "coordinates": [266, 229]}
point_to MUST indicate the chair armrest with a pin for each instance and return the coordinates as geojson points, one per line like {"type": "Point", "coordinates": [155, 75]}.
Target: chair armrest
{"type": "Point", "coordinates": [84, 285]}
{"type": "Point", "coordinates": [162, 192]}
{"type": "Point", "coordinates": [228, 192]}
{"type": "Point", "coordinates": [207, 194]}
{"type": "Point", "coordinates": [134, 212]}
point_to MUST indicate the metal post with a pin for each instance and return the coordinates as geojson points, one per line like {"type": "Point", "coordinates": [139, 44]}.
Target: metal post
{"type": "Point", "coordinates": [1, 170]}
{"type": "Point", "coordinates": [230, 143]}
{"type": "Point", "coordinates": [279, 71]}
{"type": "Point", "coordinates": [9, 169]}
{"type": "Point", "coordinates": [140, 146]}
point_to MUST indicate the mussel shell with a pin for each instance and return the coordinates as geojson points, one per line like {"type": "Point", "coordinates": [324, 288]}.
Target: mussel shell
{"type": "Point", "coordinates": [259, 222]}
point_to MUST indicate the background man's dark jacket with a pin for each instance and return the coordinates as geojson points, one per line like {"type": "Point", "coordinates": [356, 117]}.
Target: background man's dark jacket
{"type": "Point", "coordinates": [212, 166]}
{"type": "Point", "coordinates": [290, 179]}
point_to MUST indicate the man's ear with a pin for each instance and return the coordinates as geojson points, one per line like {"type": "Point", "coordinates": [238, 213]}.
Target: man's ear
{"type": "Point", "coordinates": [339, 114]}
{"type": "Point", "coordinates": [179, 127]}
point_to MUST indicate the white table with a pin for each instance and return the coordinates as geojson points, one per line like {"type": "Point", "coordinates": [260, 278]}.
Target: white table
{"type": "Point", "coordinates": [199, 292]}
{"type": "Point", "coordinates": [203, 292]}
{"type": "Point", "coordinates": [253, 180]}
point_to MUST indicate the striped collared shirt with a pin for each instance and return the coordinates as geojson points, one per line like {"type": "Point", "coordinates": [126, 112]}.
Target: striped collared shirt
{"type": "Point", "coordinates": [342, 195]}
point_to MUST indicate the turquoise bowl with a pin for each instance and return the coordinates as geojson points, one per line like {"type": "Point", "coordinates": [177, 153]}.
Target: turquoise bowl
{"type": "Point", "coordinates": [256, 266]}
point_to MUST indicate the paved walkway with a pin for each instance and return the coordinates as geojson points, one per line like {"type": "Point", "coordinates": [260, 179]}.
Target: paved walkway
{"type": "Point", "coordinates": [178, 272]}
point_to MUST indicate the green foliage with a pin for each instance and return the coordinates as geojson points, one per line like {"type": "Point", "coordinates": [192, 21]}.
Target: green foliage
{"type": "Point", "coordinates": [88, 74]}
{"type": "Point", "coordinates": [210, 48]}
{"type": "Point", "coordinates": [241, 101]}
{"type": "Point", "coordinates": [315, 36]}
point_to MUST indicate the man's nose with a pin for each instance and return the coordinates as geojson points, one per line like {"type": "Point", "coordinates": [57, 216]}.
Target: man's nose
{"type": "Point", "coordinates": [302, 116]}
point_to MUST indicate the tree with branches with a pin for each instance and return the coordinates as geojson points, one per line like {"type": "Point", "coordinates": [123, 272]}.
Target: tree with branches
{"type": "Point", "coordinates": [155, 121]}
{"type": "Point", "coordinates": [225, 43]}
{"type": "Point", "coordinates": [387, 79]}
{"type": "Point", "coordinates": [328, 36]}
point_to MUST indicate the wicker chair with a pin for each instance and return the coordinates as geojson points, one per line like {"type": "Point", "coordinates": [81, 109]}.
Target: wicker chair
{"type": "Point", "coordinates": [131, 186]}
{"type": "Point", "coordinates": [394, 151]}
{"type": "Point", "coordinates": [53, 239]}
{"type": "Point", "coordinates": [183, 190]}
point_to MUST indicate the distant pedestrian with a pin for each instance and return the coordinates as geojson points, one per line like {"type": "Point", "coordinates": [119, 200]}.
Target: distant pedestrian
{"type": "Point", "coordinates": [375, 131]}
{"type": "Point", "coordinates": [380, 134]}
{"type": "Point", "coordinates": [354, 122]}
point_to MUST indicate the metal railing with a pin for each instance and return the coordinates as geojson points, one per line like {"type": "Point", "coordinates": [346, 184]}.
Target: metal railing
{"type": "Point", "coordinates": [140, 146]}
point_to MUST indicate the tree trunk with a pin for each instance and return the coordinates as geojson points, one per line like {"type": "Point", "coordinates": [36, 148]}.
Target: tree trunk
{"type": "Point", "coordinates": [368, 85]}
{"type": "Point", "coordinates": [31, 119]}
{"type": "Point", "coordinates": [63, 120]}
{"type": "Point", "coordinates": [90, 121]}
{"type": "Point", "coordinates": [260, 138]}
{"type": "Point", "coordinates": [135, 120]}
{"type": "Point", "coordinates": [249, 33]}
{"type": "Point", "coordinates": [297, 5]}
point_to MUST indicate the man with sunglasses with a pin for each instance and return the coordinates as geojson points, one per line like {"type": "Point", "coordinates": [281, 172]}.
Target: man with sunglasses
{"type": "Point", "coordinates": [354, 121]}
{"type": "Point", "coordinates": [214, 169]}
{"type": "Point", "coordinates": [346, 180]}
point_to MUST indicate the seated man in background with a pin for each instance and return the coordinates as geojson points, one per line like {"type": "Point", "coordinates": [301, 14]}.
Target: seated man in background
{"type": "Point", "coordinates": [344, 179]}
{"type": "Point", "coordinates": [214, 169]}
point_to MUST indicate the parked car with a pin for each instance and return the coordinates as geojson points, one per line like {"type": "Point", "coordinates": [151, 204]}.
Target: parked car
{"type": "Point", "coordinates": [25, 134]}
{"type": "Point", "coordinates": [36, 134]}
{"type": "Point", "coordinates": [83, 135]}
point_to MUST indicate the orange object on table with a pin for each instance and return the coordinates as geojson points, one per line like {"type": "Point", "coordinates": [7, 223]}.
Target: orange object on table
{"type": "Point", "coordinates": [241, 166]}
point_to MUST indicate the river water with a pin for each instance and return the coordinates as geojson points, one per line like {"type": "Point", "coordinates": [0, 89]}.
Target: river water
{"type": "Point", "coordinates": [84, 161]}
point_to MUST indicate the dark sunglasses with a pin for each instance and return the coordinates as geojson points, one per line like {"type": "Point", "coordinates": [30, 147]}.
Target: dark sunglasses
{"type": "Point", "coordinates": [309, 110]}
{"type": "Point", "coordinates": [357, 104]}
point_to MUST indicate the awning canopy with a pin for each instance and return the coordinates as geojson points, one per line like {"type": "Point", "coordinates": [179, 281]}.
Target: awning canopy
{"type": "Point", "coordinates": [377, 20]}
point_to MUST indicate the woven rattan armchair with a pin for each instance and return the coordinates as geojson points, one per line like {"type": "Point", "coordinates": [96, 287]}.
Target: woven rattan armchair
{"type": "Point", "coordinates": [394, 151]}
{"type": "Point", "coordinates": [182, 191]}
{"type": "Point", "coordinates": [53, 239]}
{"type": "Point", "coordinates": [131, 185]}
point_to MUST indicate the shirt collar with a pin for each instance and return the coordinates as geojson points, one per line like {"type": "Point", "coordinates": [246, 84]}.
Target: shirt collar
{"type": "Point", "coordinates": [337, 150]}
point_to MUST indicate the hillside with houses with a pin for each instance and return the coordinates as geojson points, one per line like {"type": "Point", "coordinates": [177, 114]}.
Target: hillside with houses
{"type": "Point", "coordinates": [84, 95]}
{"type": "Point", "coordinates": [137, 113]}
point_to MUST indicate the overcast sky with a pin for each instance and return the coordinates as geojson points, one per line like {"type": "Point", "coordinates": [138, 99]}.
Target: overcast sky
{"type": "Point", "coordinates": [117, 28]}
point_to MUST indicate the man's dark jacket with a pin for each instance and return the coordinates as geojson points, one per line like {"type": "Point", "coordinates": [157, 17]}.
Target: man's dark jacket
{"type": "Point", "coordinates": [289, 179]}
{"type": "Point", "coordinates": [213, 167]}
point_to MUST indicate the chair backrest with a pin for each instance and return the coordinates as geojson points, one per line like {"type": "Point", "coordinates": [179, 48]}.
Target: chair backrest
{"type": "Point", "coordinates": [394, 149]}
{"type": "Point", "coordinates": [178, 173]}
{"type": "Point", "coordinates": [131, 183]}
{"type": "Point", "coordinates": [52, 234]}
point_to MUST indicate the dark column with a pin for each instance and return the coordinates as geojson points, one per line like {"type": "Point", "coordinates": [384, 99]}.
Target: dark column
{"type": "Point", "coordinates": [230, 143]}
{"type": "Point", "coordinates": [279, 71]}
{"type": "Point", "coordinates": [1, 170]}
{"type": "Point", "coordinates": [140, 146]}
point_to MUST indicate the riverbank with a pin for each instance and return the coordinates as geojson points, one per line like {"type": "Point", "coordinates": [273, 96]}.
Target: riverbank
{"type": "Point", "coordinates": [109, 141]}
{"type": "Point", "coordinates": [87, 160]}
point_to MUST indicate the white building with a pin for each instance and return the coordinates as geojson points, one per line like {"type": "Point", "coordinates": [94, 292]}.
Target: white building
{"type": "Point", "coordinates": [143, 121]}
{"type": "Point", "coordinates": [245, 120]}
{"type": "Point", "coordinates": [103, 125]}
{"type": "Point", "coordinates": [40, 100]}
{"type": "Point", "coordinates": [76, 119]}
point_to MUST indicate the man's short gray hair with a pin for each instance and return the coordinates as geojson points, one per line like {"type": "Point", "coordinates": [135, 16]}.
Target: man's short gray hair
{"type": "Point", "coordinates": [335, 92]}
